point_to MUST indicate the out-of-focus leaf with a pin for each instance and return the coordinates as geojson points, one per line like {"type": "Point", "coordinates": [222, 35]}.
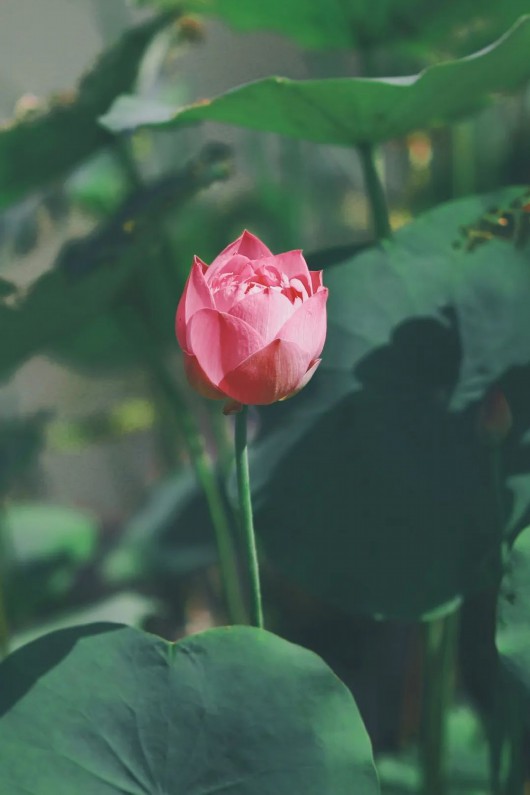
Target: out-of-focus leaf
{"type": "Point", "coordinates": [234, 708]}
{"type": "Point", "coordinates": [135, 227]}
{"type": "Point", "coordinates": [513, 638]}
{"type": "Point", "coordinates": [171, 536]}
{"type": "Point", "coordinates": [91, 273]}
{"type": "Point", "coordinates": [46, 546]}
{"type": "Point", "coordinates": [21, 440]}
{"type": "Point", "coordinates": [375, 470]}
{"type": "Point", "coordinates": [98, 186]}
{"type": "Point", "coordinates": [467, 761]}
{"type": "Point", "coordinates": [123, 418]}
{"type": "Point", "coordinates": [129, 608]}
{"type": "Point", "coordinates": [56, 306]}
{"type": "Point", "coordinates": [346, 24]}
{"type": "Point", "coordinates": [349, 111]}
{"type": "Point", "coordinates": [46, 144]}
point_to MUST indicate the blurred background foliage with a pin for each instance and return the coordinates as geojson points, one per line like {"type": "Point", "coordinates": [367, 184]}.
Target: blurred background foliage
{"type": "Point", "coordinates": [373, 493]}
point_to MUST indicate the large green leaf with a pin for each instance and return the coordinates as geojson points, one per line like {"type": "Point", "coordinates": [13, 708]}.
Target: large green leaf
{"type": "Point", "coordinates": [349, 111]}
{"type": "Point", "coordinates": [340, 24]}
{"type": "Point", "coordinates": [371, 488]}
{"type": "Point", "coordinates": [44, 147]}
{"type": "Point", "coordinates": [111, 710]}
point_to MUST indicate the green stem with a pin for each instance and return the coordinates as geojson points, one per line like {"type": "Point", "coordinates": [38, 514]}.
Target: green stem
{"type": "Point", "coordinates": [375, 192]}
{"type": "Point", "coordinates": [247, 524]}
{"type": "Point", "coordinates": [4, 628]}
{"type": "Point", "coordinates": [4, 562]}
{"type": "Point", "coordinates": [506, 732]}
{"type": "Point", "coordinates": [464, 157]}
{"type": "Point", "coordinates": [203, 470]}
{"type": "Point", "coordinates": [440, 645]}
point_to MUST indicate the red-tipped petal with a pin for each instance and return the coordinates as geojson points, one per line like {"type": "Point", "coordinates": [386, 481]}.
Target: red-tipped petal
{"type": "Point", "coordinates": [247, 244]}
{"type": "Point", "coordinates": [220, 342]}
{"type": "Point", "coordinates": [316, 280]}
{"type": "Point", "coordinates": [307, 327]}
{"type": "Point", "coordinates": [266, 312]}
{"type": "Point", "coordinates": [268, 375]}
{"type": "Point", "coordinates": [199, 380]}
{"type": "Point", "coordinates": [292, 264]}
{"type": "Point", "coordinates": [252, 247]}
{"type": "Point", "coordinates": [305, 379]}
{"type": "Point", "coordinates": [196, 296]}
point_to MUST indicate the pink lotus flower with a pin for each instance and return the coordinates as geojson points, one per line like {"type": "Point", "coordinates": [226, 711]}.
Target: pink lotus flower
{"type": "Point", "coordinates": [253, 324]}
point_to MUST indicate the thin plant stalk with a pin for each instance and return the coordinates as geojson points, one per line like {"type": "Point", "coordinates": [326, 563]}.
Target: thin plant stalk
{"type": "Point", "coordinates": [185, 421]}
{"type": "Point", "coordinates": [4, 627]}
{"type": "Point", "coordinates": [375, 193]}
{"type": "Point", "coordinates": [246, 519]}
{"type": "Point", "coordinates": [506, 733]}
{"type": "Point", "coordinates": [4, 561]}
{"type": "Point", "coordinates": [440, 639]}
{"type": "Point", "coordinates": [203, 468]}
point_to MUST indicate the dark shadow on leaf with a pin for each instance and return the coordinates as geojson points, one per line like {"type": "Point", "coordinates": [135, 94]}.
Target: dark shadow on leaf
{"type": "Point", "coordinates": [424, 354]}
{"type": "Point", "coordinates": [21, 670]}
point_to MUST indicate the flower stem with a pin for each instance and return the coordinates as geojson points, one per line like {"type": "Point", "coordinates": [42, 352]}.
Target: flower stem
{"type": "Point", "coordinates": [247, 523]}
{"type": "Point", "coordinates": [4, 628]}
{"type": "Point", "coordinates": [4, 625]}
{"type": "Point", "coordinates": [375, 192]}
{"type": "Point", "coordinates": [440, 644]}
{"type": "Point", "coordinates": [203, 468]}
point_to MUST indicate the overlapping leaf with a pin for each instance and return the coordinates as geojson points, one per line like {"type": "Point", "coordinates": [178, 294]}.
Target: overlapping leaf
{"type": "Point", "coordinates": [111, 710]}
{"type": "Point", "coordinates": [371, 488]}
{"type": "Point", "coordinates": [48, 143]}
{"type": "Point", "coordinates": [345, 24]}
{"type": "Point", "coordinates": [348, 111]}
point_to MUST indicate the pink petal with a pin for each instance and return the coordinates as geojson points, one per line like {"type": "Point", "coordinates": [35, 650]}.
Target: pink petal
{"type": "Point", "coordinates": [252, 247]}
{"type": "Point", "coordinates": [316, 280]}
{"type": "Point", "coordinates": [196, 296]}
{"type": "Point", "coordinates": [220, 342]}
{"type": "Point", "coordinates": [307, 327]}
{"type": "Point", "coordinates": [246, 244]}
{"type": "Point", "coordinates": [292, 264]}
{"type": "Point", "coordinates": [199, 380]}
{"type": "Point", "coordinates": [266, 311]}
{"type": "Point", "coordinates": [237, 264]}
{"type": "Point", "coordinates": [306, 378]}
{"type": "Point", "coordinates": [268, 375]}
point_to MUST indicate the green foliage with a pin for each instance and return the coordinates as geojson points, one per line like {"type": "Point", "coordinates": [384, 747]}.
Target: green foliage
{"type": "Point", "coordinates": [45, 546]}
{"type": "Point", "coordinates": [513, 639]}
{"type": "Point", "coordinates": [48, 143]}
{"type": "Point", "coordinates": [345, 24]}
{"type": "Point", "coordinates": [467, 761]}
{"type": "Point", "coordinates": [68, 309]}
{"type": "Point", "coordinates": [169, 537]}
{"type": "Point", "coordinates": [56, 305]}
{"type": "Point", "coordinates": [136, 230]}
{"type": "Point", "coordinates": [349, 111]}
{"type": "Point", "coordinates": [21, 440]}
{"type": "Point", "coordinates": [112, 710]}
{"type": "Point", "coordinates": [372, 490]}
